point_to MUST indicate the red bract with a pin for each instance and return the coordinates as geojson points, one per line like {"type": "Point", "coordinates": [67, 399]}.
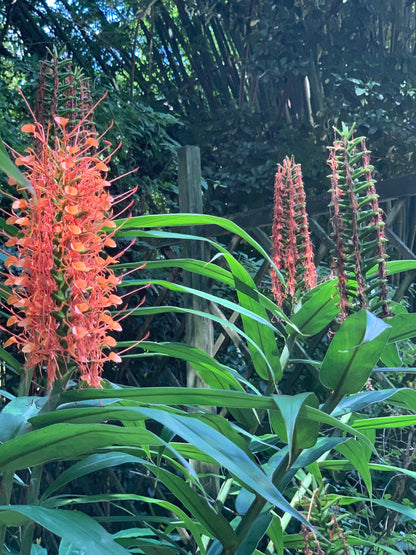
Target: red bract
{"type": "Point", "coordinates": [292, 247]}
{"type": "Point", "coordinates": [63, 287]}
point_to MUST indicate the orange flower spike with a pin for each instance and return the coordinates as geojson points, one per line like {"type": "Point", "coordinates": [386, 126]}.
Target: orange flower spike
{"type": "Point", "coordinates": [65, 282]}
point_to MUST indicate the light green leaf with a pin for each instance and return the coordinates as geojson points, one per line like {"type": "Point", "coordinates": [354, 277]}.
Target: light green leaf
{"type": "Point", "coordinates": [67, 442]}
{"type": "Point", "coordinates": [353, 353]}
{"type": "Point", "coordinates": [403, 327]}
{"type": "Point", "coordinates": [319, 310]}
{"type": "Point", "coordinates": [78, 528]}
{"type": "Point", "coordinates": [299, 433]}
{"type": "Point", "coordinates": [353, 451]}
{"type": "Point", "coordinates": [225, 453]}
{"type": "Point", "coordinates": [10, 169]}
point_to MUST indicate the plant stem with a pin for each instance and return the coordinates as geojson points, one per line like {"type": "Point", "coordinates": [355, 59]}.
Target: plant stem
{"type": "Point", "coordinates": [5, 494]}
{"type": "Point", "coordinates": [32, 499]}
{"type": "Point", "coordinates": [258, 504]}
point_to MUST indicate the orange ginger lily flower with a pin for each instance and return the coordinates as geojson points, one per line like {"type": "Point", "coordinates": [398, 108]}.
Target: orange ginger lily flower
{"type": "Point", "coordinates": [63, 288]}
{"type": "Point", "coordinates": [292, 247]}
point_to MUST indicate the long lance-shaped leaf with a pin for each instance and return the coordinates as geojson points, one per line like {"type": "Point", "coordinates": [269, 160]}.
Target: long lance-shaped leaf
{"type": "Point", "coordinates": [298, 434]}
{"type": "Point", "coordinates": [226, 453]}
{"type": "Point", "coordinates": [142, 311]}
{"type": "Point", "coordinates": [207, 296]}
{"type": "Point", "coordinates": [183, 236]}
{"type": "Point", "coordinates": [401, 397]}
{"type": "Point", "coordinates": [184, 522]}
{"type": "Point", "coordinates": [206, 269]}
{"type": "Point", "coordinates": [215, 374]}
{"type": "Point", "coordinates": [319, 310]}
{"type": "Point", "coordinates": [67, 442]}
{"type": "Point", "coordinates": [180, 220]}
{"type": "Point", "coordinates": [394, 267]}
{"type": "Point", "coordinates": [81, 530]}
{"type": "Point", "coordinates": [262, 335]}
{"type": "Point", "coordinates": [200, 396]}
{"type": "Point", "coordinates": [403, 327]}
{"type": "Point", "coordinates": [216, 273]}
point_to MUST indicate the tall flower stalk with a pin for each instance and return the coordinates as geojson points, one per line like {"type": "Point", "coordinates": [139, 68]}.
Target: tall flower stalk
{"type": "Point", "coordinates": [358, 227]}
{"type": "Point", "coordinates": [292, 246]}
{"type": "Point", "coordinates": [62, 283]}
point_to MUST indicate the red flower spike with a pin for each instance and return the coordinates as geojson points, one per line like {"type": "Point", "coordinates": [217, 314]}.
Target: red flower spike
{"type": "Point", "coordinates": [292, 247]}
{"type": "Point", "coordinates": [64, 285]}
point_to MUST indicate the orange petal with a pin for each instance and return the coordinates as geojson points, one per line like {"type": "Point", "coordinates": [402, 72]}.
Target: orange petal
{"type": "Point", "coordinates": [74, 229]}
{"type": "Point", "coordinates": [101, 167]}
{"type": "Point", "coordinates": [82, 307]}
{"type": "Point", "coordinates": [79, 331]}
{"type": "Point", "coordinates": [10, 341]}
{"type": "Point", "coordinates": [12, 320]}
{"type": "Point", "coordinates": [19, 203]}
{"type": "Point", "coordinates": [81, 284]}
{"type": "Point", "coordinates": [80, 266]}
{"type": "Point", "coordinates": [12, 181]}
{"type": "Point", "coordinates": [109, 242]}
{"type": "Point", "coordinates": [114, 299]}
{"type": "Point", "coordinates": [114, 357]}
{"type": "Point", "coordinates": [28, 348]}
{"type": "Point", "coordinates": [77, 246]}
{"type": "Point", "coordinates": [61, 121]}
{"type": "Point", "coordinates": [73, 210]}
{"type": "Point", "coordinates": [29, 128]}
{"type": "Point", "coordinates": [110, 341]}
{"type": "Point", "coordinates": [12, 261]}
{"type": "Point", "coordinates": [91, 141]}
{"type": "Point", "coordinates": [70, 190]}
{"type": "Point", "coordinates": [22, 221]}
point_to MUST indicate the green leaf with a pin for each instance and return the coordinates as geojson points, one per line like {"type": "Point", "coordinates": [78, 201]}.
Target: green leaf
{"type": "Point", "coordinates": [390, 355]}
{"type": "Point", "coordinates": [226, 453]}
{"type": "Point", "coordinates": [255, 533]}
{"type": "Point", "coordinates": [184, 521]}
{"type": "Point", "coordinates": [382, 422]}
{"type": "Point", "coordinates": [353, 353]}
{"type": "Point", "coordinates": [200, 267]}
{"type": "Point", "coordinates": [14, 417]}
{"type": "Point", "coordinates": [175, 220]}
{"type": "Point", "coordinates": [215, 374]}
{"type": "Point", "coordinates": [319, 310]}
{"type": "Point", "coordinates": [353, 451]}
{"type": "Point", "coordinates": [67, 442]}
{"type": "Point", "coordinates": [393, 267]}
{"type": "Point", "coordinates": [13, 363]}
{"type": "Point", "coordinates": [92, 463]}
{"type": "Point", "coordinates": [401, 397]}
{"type": "Point", "coordinates": [275, 533]}
{"type": "Point", "coordinates": [10, 169]}
{"type": "Point", "coordinates": [75, 527]}
{"type": "Point", "coordinates": [261, 334]}
{"type": "Point", "coordinates": [299, 433]}
{"type": "Point", "coordinates": [223, 322]}
{"type": "Point", "coordinates": [403, 327]}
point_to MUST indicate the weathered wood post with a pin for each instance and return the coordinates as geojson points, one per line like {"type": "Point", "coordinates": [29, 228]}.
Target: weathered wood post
{"type": "Point", "coordinates": [199, 331]}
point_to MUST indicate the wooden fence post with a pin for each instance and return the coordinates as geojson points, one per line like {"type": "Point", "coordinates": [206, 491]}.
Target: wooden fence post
{"type": "Point", "coordinates": [199, 331]}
